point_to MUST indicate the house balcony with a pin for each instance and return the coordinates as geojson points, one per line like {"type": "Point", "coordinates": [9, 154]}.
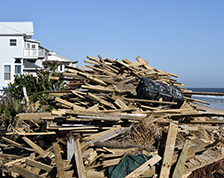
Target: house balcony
{"type": "Point", "coordinates": [29, 53]}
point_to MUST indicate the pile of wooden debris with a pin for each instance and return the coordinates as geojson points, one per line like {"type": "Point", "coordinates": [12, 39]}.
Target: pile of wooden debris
{"type": "Point", "coordinates": [107, 114]}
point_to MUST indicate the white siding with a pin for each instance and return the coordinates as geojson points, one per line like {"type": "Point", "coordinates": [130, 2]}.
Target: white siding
{"type": "Point", "coordinates": [8, 54]}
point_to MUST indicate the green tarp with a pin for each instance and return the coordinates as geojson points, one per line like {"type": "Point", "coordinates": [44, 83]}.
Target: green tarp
{"type": "Point", "coordinates": [127, 165]}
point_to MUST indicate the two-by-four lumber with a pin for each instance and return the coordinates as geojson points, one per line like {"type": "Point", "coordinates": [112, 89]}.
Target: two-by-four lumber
{"type": "Point", "coordinates": [155, 159]}
{"type": "Point", "coordinates": [58, 160]}
{"type": "Point", "coordinates": [169, 150]}
{"type": "Point", "coordinates": [78, 159]}
{"type": "Point", "coordinates": [181, 161]}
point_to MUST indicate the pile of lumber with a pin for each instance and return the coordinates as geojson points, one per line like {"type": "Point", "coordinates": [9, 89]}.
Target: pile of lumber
{"type": "Point", "coordinates": [99, 120]}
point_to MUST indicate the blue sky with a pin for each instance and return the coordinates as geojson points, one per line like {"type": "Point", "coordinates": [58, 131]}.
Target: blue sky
{"type": "Point", "coordinates": [181, 37]}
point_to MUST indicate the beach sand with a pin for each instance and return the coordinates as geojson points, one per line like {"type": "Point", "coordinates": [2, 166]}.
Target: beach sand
{"type": "Point", "coordinates": [210, 109]}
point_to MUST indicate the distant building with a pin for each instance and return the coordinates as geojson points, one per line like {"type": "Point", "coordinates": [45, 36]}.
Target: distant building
{"type": "Point", "coordinates": [62, 61]}
{"type": "Point", "coordinates": [20, 54]}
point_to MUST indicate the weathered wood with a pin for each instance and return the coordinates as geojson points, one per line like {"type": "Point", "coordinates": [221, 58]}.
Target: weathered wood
{"type": "Point", "coordinates": [37, 148]}
{"type": "Point", "coordinates": [103, 64]}
{"type": "Point", "coordinates": [10, 156]}
{"type": "Point", "coordinates": [155, 159]}
{"type": "Point", "coordinates": [137, 116]}
{"type": "Point", "coordinates": [108, 135]}
{"type": "Point", "coordinates": [121, 104]}
{"type": "Point", "coordinates": [19, 147]}
{"type": "Point", "coordinates": [23, 172]}
{"type": "Point", "coordinates": [70, 148]}
{"type": "Point", "coordinates": [39, 165]}
{"type": "Point", "coordinates": [67, 103]}
{"type": "Point", "coordinates": [58, 160]}
{"type": "Point", "coordinates": [196, 100]}
{"type": "Point", "coordinates": [209, 159]}
{"type": "Point", "coordinates": [78, 160]}
{"type": "Point", "coordinates": [94, 97]}
{"type": "Point", "coordinates": [150, 101]}
{"type": "Point", "coordinates": [33, 116]}
{"type": "Point", "coordinates": [99, 88]}
{"type": "Point", "coordinates": [181, 161]}
{"type": "Point", "coordinates": [10, 141]}
{"type": "Point", "coordinates": [36, 133]}
{"type": "Point", "coordinates": [110, 162]}
{"type": "Point", "coordinates": [168, 153]}
{"type": "Point", "coordinates": [102, 70]}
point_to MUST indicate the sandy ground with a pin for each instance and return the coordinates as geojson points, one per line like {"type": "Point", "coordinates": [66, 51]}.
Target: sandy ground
{"type": "Point", "coordinates": [210, 109]}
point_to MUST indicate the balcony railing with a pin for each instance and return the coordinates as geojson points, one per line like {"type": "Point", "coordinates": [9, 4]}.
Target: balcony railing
{"type": "Point", "coordinates": [33, 53]}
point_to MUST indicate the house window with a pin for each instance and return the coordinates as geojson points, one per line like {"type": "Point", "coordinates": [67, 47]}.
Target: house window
{"type": "Point", "coordinates": [33, 46]}
{"type": "Point", "coordinates": [7, 72]}
{"type": "Point", "coordinates": [28, 45]}
{"type": "Point", "coordinates": [12, 42]}
{"type": "Point", "coordinates": [17, 70]}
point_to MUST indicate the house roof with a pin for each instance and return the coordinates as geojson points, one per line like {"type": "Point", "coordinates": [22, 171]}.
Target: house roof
{"type": "Point", "coordinates": [53, 57]}
{"type": "Point", "coordinates": [28, 64]}
{"type": "Point", "coordinates": [16, 28]}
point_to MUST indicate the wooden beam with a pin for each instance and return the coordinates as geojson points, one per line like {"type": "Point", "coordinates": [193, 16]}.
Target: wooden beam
{"type": "Point", "coordinates": [78, 160]}
{"type": "Point", "coordinates": [168, 153]}
{"type": "Point", "coordinates": [58, 160]}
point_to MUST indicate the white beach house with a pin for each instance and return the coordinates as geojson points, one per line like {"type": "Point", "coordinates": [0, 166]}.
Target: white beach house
{"type": "Point", "coordinates": [20, 54]}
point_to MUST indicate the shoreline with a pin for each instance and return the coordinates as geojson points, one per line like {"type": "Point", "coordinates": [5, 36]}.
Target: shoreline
{"type": "Point", "coordinates": [210, 109]}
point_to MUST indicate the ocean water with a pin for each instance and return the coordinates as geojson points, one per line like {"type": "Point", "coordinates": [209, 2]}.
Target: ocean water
{"type": "Point", "coordinates": [215, 101]}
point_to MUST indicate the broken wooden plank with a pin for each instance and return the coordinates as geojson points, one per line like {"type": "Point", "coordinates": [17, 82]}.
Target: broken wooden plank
{"type": "Point", "coordinates": [94, 97]}
{"type": "Point", "coordinates": [24, 172]}
{"type": "Point", "coordinates": [38, 165]}
{"type": "Point", "coordinates": [78, 159]}
{"type": "Point", "coordinates": [67, 103]}
{"type": "Point", "coordinates": [181, 161]}
{"type": "Point", "coordinates": [37, 148]}
{"type": "Point", "coordinates": [168, 153]}
{"type": "Point", "coordinates": [10, 156]}
{"type": "Point", "coordinates": [11, 141]}
{"type": "Point", "coordinates": [107, 135]}
{"type": "Point", "coordinates": [58, 160]}
{"type": "Point", "coordinates": [70, 147]}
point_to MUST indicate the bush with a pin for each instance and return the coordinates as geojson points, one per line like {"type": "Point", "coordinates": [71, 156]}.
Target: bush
{"type": "Point", "coordinates": [36, 85]}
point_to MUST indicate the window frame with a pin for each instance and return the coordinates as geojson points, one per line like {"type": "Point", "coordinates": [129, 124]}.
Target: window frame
{"type": "Point", "coordinates": [16, 43]}
{"type": "Point", "coordinates": [10, 73]}
{"type": "Point", "coordinates": [20, 69]}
